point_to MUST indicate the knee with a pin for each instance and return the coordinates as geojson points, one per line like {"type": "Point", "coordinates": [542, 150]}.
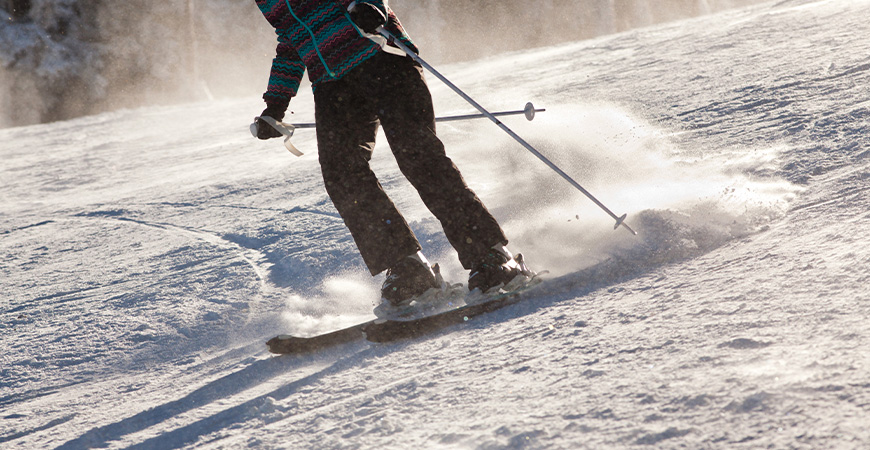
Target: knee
{"type": "Point", "coordinates": [346, 175]}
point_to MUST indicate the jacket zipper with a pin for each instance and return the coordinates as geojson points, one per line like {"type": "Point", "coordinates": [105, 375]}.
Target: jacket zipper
{"type": "Point", "coordinates": [313, 39]}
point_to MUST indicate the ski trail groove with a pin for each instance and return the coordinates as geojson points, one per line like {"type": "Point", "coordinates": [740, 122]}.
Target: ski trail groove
{"type": "Point", "coordinates": [249, 256]}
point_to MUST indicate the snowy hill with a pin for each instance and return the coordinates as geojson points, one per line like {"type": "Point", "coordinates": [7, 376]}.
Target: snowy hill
{"type": "Point", "coordinates": [148, 254]}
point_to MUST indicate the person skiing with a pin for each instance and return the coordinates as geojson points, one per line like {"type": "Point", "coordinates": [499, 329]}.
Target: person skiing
{"type": "Point", "coordinates": [357, 88]}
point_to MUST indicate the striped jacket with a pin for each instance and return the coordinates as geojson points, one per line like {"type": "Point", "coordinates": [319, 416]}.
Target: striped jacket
{"type": "Point", "coordinates": [318, 35]}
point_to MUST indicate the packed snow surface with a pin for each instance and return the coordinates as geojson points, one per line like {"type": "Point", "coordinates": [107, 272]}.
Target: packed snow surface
{"type": "Point", "coordinates": [148, 254]}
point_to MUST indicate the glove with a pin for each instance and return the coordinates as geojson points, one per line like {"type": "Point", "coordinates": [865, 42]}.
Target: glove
{"type": "Point", "coordinates": [264, 130]}
{"type": "Point", "coordinates": [366, 16]}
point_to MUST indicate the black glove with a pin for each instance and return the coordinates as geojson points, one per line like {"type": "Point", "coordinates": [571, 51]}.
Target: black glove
{"type": "Point", "coordinates": [368, 17]}
{"type": "Point", "coordinates": [264, 130]}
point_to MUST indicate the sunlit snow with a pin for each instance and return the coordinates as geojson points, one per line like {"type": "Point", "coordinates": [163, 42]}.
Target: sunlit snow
{"type": "Point", "coordinates": [148, 254]}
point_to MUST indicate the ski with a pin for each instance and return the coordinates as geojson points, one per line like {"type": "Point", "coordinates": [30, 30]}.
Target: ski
{"type": "Point", "coordinates": [287, 344]}
{"type": "Point", "coordinates": [391, 330]}
{"type": "Point", "coordinates": [387, 330]}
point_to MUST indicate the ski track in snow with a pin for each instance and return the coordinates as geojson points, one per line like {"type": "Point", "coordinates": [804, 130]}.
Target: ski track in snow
{"type": "Point", "coordinates": [145, 265]}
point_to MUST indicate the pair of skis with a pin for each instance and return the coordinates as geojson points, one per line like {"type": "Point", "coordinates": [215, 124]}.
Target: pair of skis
{"type": "Point", "coordinates": [387, 330]}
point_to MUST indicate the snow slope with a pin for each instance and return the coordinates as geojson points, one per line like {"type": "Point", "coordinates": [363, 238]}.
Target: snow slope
{"type": "Point", "coordinates": [147, 255]}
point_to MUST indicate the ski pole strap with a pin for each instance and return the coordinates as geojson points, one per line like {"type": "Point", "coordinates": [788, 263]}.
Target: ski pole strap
{"type": "Point", "coordinates": [380, 41]}
{"type": "Point", "coordinates": [383, 42]}
{"type": "Point", "coordinates": [284, 128]}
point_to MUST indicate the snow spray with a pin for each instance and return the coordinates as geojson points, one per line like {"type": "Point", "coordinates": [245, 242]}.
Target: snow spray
{"type": "Point", "coordinates": [620, 220]}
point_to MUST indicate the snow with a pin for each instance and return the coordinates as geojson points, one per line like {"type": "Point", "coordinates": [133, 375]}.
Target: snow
{"type": "Point", "coordinates": [148, 254]}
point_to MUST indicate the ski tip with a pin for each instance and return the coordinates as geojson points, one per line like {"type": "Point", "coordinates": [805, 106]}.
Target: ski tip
{"type": "Point", "coordinates": [283, 344]}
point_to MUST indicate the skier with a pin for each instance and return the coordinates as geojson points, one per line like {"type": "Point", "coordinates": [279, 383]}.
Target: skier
{"type": "Point", "coordinates": [357, 88]}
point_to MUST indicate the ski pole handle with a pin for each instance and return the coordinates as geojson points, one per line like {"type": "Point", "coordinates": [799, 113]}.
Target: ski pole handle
{"type": "Point", "coordinates": [284, 128]}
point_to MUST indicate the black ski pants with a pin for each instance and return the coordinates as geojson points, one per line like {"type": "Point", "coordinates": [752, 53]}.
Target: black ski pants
{"type": "Point", "coordinates": [390, 91]}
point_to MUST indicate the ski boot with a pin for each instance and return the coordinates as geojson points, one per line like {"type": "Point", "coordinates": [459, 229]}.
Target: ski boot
{"type": "Point", "coordinates": [409, 283]}
{"type": "Point", "coordinates": [498, 269]}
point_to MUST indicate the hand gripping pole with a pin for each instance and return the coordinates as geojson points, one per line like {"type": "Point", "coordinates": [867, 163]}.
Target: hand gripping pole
{"type": "Point", "coordinates": [620, 220]}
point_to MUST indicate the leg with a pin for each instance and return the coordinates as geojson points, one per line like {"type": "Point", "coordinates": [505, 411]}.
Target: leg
{"type": "Point", "coordinates": [406, 113]}
{"type": "Point", "coordinates": [345, 139]}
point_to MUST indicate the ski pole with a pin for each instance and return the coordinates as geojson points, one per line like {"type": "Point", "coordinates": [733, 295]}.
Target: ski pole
{"type": "Point", "coordinates": [620, 220]}
{"type": "Point", "coordinates": [529, 111]}
{"type": "Point", "coordinates": [287, 129]}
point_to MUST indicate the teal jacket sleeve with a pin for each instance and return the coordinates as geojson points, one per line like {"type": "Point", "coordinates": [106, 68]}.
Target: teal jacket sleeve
{"type": "Point", "coordinates": [285, 76]}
